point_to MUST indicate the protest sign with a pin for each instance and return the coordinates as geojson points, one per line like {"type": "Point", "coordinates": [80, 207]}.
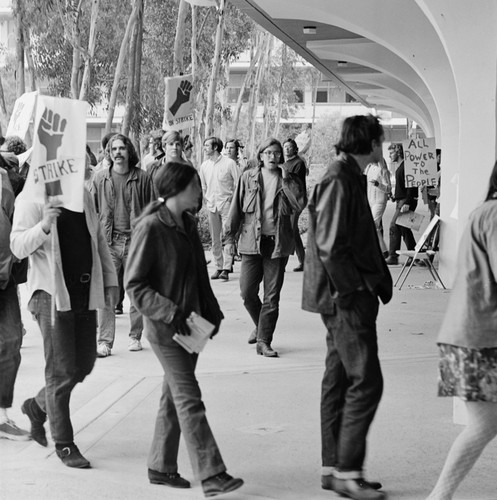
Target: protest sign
{"type": "Point", "coordinates": [22, 115]}
{"type": "Point", "coordinates": [59, 153]}
{"type": "Point", "coordinates": [410, 219]}
{"type": "Point", "coordinates": [420, 162]}
{"type": "Point", "coordinates": [178, 106]}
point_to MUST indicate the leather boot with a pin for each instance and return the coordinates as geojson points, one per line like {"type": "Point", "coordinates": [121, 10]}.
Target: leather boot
{"type": "Point", "coordinates": [37, 418]}
{"type": "Point", "coordinates": [266, 350]}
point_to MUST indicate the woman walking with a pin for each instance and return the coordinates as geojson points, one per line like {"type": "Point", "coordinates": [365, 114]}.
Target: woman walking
{"type": "Point", "coordinates": [379, 187]}
{"type": "Point", "coordinates": [468, 343]}
{"type": "Point", "coordinates": [167, 279]}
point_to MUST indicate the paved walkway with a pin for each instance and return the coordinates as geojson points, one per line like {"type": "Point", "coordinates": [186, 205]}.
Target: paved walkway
{"type": "Point", "coordinates": [264, 412]}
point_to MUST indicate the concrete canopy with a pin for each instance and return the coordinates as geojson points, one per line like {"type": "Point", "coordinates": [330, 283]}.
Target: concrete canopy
{"type": "Point", "coordinates": [431, 60]}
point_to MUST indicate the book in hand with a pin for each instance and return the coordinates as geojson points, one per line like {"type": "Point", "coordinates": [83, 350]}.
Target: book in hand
{"type": "Point", "coordinates": [201, 331]}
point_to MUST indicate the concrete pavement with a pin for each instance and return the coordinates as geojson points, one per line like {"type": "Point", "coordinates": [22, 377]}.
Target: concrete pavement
{"type": "Point", "coordinates": [264, 412]}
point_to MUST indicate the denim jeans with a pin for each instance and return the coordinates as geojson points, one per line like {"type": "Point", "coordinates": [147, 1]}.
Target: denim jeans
{"type": "Point", "coordinates": [271, 272]}
{"type": "Point", "coordinates": [352, 384]}
{"type": "Point", "coordinates": [10, 343]}
{"type": "Point", "coordinates": [397, 232]}
{"type": "Point", "coordinates": [181, 410]}
{"type": "Point", "coordinates": [107, 317]}
{"type": "Point", "coordinates": [70, 352]}
{"type": "Point", "coordinates": [222, 259]}
{"type": "Point", "coordinates": [299, 246]}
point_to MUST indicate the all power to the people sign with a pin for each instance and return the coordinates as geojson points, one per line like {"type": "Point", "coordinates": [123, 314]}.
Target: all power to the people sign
{"type": "Point", "coordinates": [59, 152]}
{"type": "Point", "coordinates": [420, 162]}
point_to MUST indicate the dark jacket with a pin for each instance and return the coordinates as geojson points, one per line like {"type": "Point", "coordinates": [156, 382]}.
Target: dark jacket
{"type": "Point", "coordinates": [140, 192]}
{"type": "Point", "coordinates": [166, 270]}
{"type": "Point", "coordinates": [6, 211]}
{"type": "Point", "coordinates": [246, 210]}
{"type": "Point", "coordinates": [409, 195]}
{"type": "Point", "coordinates": [343, 253]}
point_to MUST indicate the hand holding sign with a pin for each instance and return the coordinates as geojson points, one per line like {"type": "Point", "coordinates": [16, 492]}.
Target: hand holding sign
{"type": "Point", "coordinates": [182, 96]}
{"type": "Point", "coordinates": [50, 132]}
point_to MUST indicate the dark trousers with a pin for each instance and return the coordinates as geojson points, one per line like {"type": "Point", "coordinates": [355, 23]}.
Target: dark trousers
{"type": "Point", "coordinates": [352, 384]}
{"type": "Point", "coordinates": [181, 411]}
{"type": "Point", "coordinates": [299, 246]}
{"type": "Point", "coordinates": [10, 343]}
{"type": "Point", "coordinates": [70, 351]}
{"type": "Point", "coordinates": [261, 268]}
{"type": "Point", "coordinates": [400, 232]}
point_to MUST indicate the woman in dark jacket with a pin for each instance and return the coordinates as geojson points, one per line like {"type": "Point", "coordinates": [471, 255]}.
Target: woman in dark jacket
{"type": "Point", "coordinates": [166, 279]}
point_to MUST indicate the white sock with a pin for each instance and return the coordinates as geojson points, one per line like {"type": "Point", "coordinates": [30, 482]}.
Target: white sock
{"type": "Point", "coordinates": [327, 471]}
{"type": "Point", "coordinates": [3, 415]}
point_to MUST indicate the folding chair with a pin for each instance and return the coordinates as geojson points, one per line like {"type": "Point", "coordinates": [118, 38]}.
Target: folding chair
{"type": "Point", "coordinates": [422, 252]}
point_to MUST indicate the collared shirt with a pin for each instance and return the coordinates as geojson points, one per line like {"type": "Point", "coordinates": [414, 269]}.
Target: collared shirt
{"type": "Point", "coordinates": [219, 178]}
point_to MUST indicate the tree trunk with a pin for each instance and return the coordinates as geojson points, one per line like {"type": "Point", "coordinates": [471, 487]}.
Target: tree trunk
{"type": "Point", "coordinates": [29, 59]}
{"type": "Point", "coordinates": [254, 95]}
{"type": "Point", "coordinates": [119, 67]}
{"type": "Point", "coordinates": [130, 87]}
{"type": "Point", "coordinates": [85, 84]}
{"type": "Point", "coordinates": [136, 121]}
{"type": "Point", "coordinates": [216, 61]}
{"type": "Point", "coordinates": [20, 82]}
{"type": "Point", "coordinates": [248, 77]}
{"type": "Point", "coordinates": [179, 38]}
{"type": "Point", "coordinates": [279, 106]}
{"type": "Point", "coordinates": [3, 108]}
{"type": "Point", "coordinates": [194, 41]}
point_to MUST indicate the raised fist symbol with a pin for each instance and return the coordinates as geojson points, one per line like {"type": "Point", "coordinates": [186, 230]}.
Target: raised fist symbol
{"type": "Point", "coordinates": [50, 132]}
{"type": "Point", "coordinates": [182, 96]}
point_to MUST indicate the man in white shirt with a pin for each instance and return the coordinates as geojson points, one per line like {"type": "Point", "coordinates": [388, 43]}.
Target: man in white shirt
{"type": "Point", "coordinates": [219, 176]}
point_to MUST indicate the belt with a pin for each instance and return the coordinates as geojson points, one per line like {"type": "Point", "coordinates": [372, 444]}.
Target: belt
{"type": "Point", "coordinates": [78, 281]}
{"type": "Point", "coordinates": [120, 236]}
{"type": "Point", "coordinates": [268, 237]}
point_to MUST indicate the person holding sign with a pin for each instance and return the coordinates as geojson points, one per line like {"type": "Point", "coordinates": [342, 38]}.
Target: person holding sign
{"type": "Point", "coordinates": [85, 279]}
{"type": "Point", "coordinates": [467, 343]}
{"type": "Point", "coordinates": [406, 199]}
{"type": "Point", "coordinates": [167, 280]}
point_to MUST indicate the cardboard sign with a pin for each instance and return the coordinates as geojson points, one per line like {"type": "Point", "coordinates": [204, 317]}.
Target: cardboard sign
{"type": "Point", "coordinates": [420, 162]}
{"type": "Point", "coordinates": [22, 115]}
{"type": "Point", "coordinates": [59, 153]}
{"type": "Point", "coordinates": [178, 105]}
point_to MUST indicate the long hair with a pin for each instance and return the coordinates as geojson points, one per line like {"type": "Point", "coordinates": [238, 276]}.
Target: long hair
{"type": "Point", "coordinates": [270, 141]}
{"type": "Point", "coordinates": [357, 134]}
{"type": "Point", "coordinates": [492, 184]}
{"type": "Point", "coordinates": [132, 156]}
{"type": "Point", "coordinates": [173, 178]}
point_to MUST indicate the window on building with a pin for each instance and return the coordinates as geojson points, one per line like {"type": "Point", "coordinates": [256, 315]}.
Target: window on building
{"type": "Point", "coordinates": [349, 98]}
{"type": "Point", "coordinates": [321, 95]}
{"type": "Point", "coordinates": [299, 96]}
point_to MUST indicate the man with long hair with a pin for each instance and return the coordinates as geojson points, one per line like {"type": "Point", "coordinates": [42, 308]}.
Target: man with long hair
{"type": "Point", "coordinates": [344, 275]}
{"type": "Point", "coordinates": [121, 191]}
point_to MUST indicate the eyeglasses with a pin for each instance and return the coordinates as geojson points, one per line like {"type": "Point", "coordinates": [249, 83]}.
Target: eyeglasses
{"type": "Point", "coordinates": [272, 153]}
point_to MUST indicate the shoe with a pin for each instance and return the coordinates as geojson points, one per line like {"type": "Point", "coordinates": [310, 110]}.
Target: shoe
{"type": "Point", "coordinates": [299, 268]}
{"type": "Point", "coordinates": [37, 417]}
{"type": "Point", "coordinates": [134, 345]}
{"type": "Point", "coordinates": [357, 489]}
{"type": "Point", "coordinates": [327, 483]}
{"type": "Point", "coordinates": [253, 337]}
{"type": "Point", "coordinates": [118, 310]}
{"type": "Point", "coordinates": [420, 263]}
{"type": "Point", "coordinates": [266, 350]}
{"type": "Point", "coordinates": [392, 261]}
{"type": "Point", "coordinates": [103, 350]}
{"type": "Point", "coordinates": [168, 478]}
{"type": "Point", "coordinates": [9, 430]}
{"type": "Point", "coordinates": [220, 483]}
{"type": "Point", "coordinates": [224, 275]}
{"type": "Point", "coordinates": [71, 456]}
{"type": "Point", "coordinates": [216, 275]}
